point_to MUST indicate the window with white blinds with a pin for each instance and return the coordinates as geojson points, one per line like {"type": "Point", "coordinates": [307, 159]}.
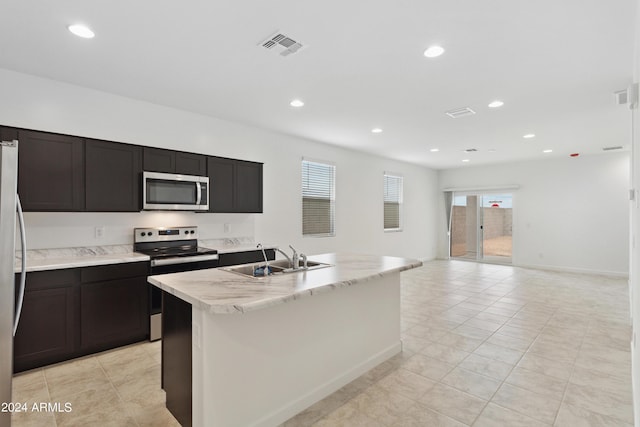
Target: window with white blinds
{"type": "Point", "coordinates": [392, 202]}
{"type": "Point", "coordinates": [318, 199]}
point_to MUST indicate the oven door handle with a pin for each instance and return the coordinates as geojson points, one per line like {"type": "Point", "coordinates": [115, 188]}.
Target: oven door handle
{"type": "Point", "coordinates": [183, 260]}
{"type": "Point", "coordinates": [199, 191]}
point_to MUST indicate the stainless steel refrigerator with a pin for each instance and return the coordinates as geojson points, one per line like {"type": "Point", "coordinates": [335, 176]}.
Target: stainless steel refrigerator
{"type": "Point", "coordinates": [9, 308]}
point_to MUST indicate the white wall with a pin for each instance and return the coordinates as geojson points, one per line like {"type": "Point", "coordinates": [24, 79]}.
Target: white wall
{"type": "Point", "coordinates": [569, 213]}
{"type": "Point", "coordinates": [42, 104]}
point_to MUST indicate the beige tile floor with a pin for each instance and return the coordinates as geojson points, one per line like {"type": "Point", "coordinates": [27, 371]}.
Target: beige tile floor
{"type": "Point", "coordinates": [484, 345]}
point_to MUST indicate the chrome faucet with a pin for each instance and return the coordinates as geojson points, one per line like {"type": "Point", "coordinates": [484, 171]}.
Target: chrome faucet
{"type": "Point", "coordinates": [295, 259]}
{"type": "Point", "coordinates": [286, 256]}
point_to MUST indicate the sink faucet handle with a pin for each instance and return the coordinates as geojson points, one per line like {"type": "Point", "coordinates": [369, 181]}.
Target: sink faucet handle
{"type": "Point", "coordinates": [294, 250]}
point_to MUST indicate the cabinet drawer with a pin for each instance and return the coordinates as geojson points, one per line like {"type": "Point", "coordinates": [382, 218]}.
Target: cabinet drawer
{"type": "Point", "coordinates": [50, 279]}
{"type": "Point", "coordinates": [114, 271]}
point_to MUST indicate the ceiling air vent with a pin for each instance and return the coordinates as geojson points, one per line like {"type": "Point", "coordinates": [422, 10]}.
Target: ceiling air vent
{"type": "Point", "coordinates": [281, 43]}
{"type": "Point", "coordinates": [460, 112]}
{"type": "Point", "coordinates": [470, 150]}
{"type": "Point", "coordinates": [617, 147]}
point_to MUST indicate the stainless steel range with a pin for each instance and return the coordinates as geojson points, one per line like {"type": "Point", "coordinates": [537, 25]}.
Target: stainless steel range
{"type": "Point", "coordinates": [172, 250]}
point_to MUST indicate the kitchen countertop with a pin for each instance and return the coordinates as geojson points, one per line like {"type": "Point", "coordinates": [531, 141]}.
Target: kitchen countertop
{"type": "Point", "coordinates": [59, 258]}
{"type": "Point", "coordinates": [222, 292]}
{"type": "Point", "coordinates": [87, 256]}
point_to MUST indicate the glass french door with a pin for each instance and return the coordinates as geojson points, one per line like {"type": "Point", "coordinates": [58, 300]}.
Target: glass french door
{"type": "Point", "coordinates": [481, 227]}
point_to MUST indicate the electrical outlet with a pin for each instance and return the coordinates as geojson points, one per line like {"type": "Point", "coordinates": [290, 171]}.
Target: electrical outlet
{"type": "Point", "coordinates": [227, 228]}
{"type": "Point", "coordinates": [99, 232]}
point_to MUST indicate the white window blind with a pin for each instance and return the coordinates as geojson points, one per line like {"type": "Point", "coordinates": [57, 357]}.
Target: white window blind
{"type": "Point", "coordinates": [318, 199]}
{"type": "Point", "coordinates": [392, 202]}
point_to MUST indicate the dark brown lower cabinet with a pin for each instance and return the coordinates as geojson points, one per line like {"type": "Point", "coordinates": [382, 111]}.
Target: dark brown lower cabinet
{"type": "Point", "coordinates": [74, 312]}
{"type": "Point", "coordinates": [48, 327]}
{"type": "Point", "coordinates": [176, 357]}
{"type": "Point", "coordinates": [113, 313]}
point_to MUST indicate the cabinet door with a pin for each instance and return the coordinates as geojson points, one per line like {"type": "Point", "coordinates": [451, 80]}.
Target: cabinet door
{"type": "Point", "coordinates": [8, 134]}
{"type": "Point", "coordinates": [47, 329]}
{"type": "Point", "coordinates": [159, 160]}
{"type": "Point", "coordinates": [191, 164]}
{"type": "Point", "coordinates": [50, 172]}
{"type": "Point", "coordinates": [113, 179]}
{"type": "Point", "coordinates": [221, 184]}
{"type": "Point", "coordinates": [248, 187]}
{"type": "Point", "coordinates": [113, 313]}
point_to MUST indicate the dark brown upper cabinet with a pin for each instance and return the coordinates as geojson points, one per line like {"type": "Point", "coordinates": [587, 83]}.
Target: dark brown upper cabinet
{"type": "Point", "coordinates": [234, 186]}
{"type": "Point", "coordinates": [191, 164]}
{"type": "Point", "coordinates": [248, 187]}
{"type": "Point", "coordinates": [221, 184]}
{"type": "Point", "coordinates": [50, 172]}
{"type": "Point", "coordinates": [113, 176]}
{"type": "Point", "coordinates": [8, 134]}
{"type": "Point", "coordinates": [169, 161]}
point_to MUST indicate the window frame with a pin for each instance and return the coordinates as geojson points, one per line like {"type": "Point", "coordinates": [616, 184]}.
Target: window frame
{"type": "Point", "coordinates": [332, 197]}
{"type": "Point", "coordinates": [399, 178]}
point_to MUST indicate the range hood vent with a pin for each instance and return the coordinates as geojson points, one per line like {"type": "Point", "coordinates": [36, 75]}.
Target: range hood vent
{"type": "Point", "coordinates": [460, 112]}
{"type": "Point", "coordinates": [282, 43]}
{"type": "Point", "coordinates": [617, 147]}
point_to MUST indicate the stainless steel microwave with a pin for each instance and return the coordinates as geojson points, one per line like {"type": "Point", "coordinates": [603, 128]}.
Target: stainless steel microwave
{"type": "Point", "coordinates": [173, 192]}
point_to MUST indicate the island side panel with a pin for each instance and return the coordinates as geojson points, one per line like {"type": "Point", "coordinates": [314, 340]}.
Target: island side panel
{"type": "Point", "coordinates": [262, 367]}
{"type": "Point", "coordinates": [176, 357]}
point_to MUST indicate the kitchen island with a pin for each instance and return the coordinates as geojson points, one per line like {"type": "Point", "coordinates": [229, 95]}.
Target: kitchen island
{"type": "Point", "coordinates": [245, 351]}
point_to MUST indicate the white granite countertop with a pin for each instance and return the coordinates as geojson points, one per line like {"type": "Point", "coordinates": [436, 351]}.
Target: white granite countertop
{"type": "Point", "coordinates": [86, 256]}
{"type": "Point", "coordinates": [59, 258]}
{"type": "Point", "coordinates": [222, 292]}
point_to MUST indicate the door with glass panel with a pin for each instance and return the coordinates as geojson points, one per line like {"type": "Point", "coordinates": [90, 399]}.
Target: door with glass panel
{"type": "Point", "coordinates": [481, 227]}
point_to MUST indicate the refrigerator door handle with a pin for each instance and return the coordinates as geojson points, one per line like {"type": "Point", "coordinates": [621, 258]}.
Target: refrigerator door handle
{"type": "Point", "coordinates": [23, 267]}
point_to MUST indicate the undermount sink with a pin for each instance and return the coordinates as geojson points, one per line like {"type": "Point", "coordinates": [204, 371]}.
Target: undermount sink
{"type": "Point", "coordinates": [277, 267]}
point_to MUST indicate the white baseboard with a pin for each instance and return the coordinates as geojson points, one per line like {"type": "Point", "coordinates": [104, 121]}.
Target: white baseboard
{"type": "Point", "coordinates": [566, 269]}
{"type": "Point", "coordinates": [563, 269]}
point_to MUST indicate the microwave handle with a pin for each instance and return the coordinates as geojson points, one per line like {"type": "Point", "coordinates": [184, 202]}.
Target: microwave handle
{"type": "Point", "coordinates": [199, 191]}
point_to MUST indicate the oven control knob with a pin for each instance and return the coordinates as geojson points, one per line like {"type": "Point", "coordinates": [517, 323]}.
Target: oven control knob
{"type": "Point", "coordinates": [186, 231]}
{"type": "Point", "coordinates": [143, 234]}
{"type": "Point", "coordinates": [192, 232]}
{"type": "Point", "coordinates": [149, 233]}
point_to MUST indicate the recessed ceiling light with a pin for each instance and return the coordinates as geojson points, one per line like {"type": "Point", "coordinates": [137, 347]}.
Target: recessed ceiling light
{"type": "Point", "coordinates": [495, 104]}
{"type": "Point", "coordinates": [81, 31]}
{"type": "Point", "coordinates": [434, 150]}
{"type": "Point", "coordinates": [465, 160]}
{"type": "Point", "coordinates": [376, 130]}
{"type": "Point", "coordinates": [296, 103]}
{"type": "Point", "coordinates": [529, 136]}
{"type": "Point", "coordinates": [547, 151]}
{"type": "Point", "coordinates": [433, 51]}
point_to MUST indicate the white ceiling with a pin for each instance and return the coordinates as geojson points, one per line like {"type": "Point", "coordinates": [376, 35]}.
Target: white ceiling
{"type": "Point", "coordinates": [554, 63]}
